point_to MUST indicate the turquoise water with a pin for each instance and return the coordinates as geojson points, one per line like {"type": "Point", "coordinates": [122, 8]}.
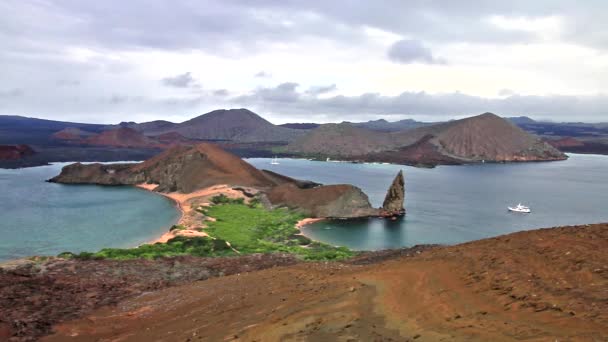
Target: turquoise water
{"type": "Point", "coordinates": [453, 204]}
{"type": "Point", "coordinates": [39, 218]}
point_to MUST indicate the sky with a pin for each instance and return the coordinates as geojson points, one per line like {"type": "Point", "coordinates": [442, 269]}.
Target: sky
{"type": "Point", "coordinates": [304, 61]}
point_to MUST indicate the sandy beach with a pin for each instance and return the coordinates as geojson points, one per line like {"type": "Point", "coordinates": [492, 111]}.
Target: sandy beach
{"type": "Point", "coordinates": [306, 221]}
{"type": "Point", "coordinates": [191, 219]}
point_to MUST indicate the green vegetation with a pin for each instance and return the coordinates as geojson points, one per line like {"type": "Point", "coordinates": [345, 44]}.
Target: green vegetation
{"type": "Point", "coordinates": [253, 229]}
{"type": "Point", "coordinates": [177, 227]}
{"type": "Point", "coordinates": [249, 228]}
{"type": "Point", "coordinates": [223, 199]}
{"type": "Point", "coordinates": [197, 246]}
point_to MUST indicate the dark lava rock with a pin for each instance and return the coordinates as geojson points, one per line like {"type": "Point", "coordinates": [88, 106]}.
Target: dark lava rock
{"type": "Point", "coordinates": [395, 196]}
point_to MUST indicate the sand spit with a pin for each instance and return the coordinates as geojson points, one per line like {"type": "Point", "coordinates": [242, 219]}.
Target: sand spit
{"type": "Point", "coordinates": [191, 219]}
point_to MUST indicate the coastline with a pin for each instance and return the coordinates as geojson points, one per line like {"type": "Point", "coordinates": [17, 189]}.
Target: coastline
{"type": "Point", "coordinates": [189, 215]}
{"type": "Point", "coordinates": [191, 220]}
{"type": "Point", "coordinates": [306, 221]}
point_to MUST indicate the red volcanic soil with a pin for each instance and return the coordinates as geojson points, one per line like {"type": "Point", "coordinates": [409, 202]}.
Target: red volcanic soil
{"type": "Point", "coordinates": [565, 142]}
{"type": "Point", "coordinates": [12, 152]}
{"type": "Point", "coordinates": [122, 137]}
{"type": "Point", "coordinates": [542, 285]}
{"type": "Point", "coordinates": [422, 152]}
{"type": "Point", "coordinates": [173, 138]}
{"type": "Point", "coordinates": [201, 166]}
{"type": "Point", "coordinates": [72, 134]}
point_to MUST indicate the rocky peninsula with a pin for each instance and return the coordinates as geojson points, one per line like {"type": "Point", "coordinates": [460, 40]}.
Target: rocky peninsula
{"type": "Point", "coordinates": [186, 170]}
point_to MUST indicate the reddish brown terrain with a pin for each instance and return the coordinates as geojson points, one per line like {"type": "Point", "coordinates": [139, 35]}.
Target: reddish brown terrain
{"type": "Point", "coordinates": [485, 137]}
{"type": "Point", "coordinates": [13, 152]}
{"type": "Point", "coordinates": [72, 134]}
{"type": "Point", "coordinates": [541, 285]}
{"type": "Point", "coordinates": [122, 137]}
{"type": "Point", "coordinates": [565, 142]}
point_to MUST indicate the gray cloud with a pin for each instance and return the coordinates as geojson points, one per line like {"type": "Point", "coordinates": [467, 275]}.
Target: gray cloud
{"type": "Point", "coordinates": [184, 80]}
{"type": "Point", "coordinates": [285, 100]}
{"type": "Point", "coordinates": [232, 27]}
{"type": "Point", "coordinates": [412, 51]}
{"type": "Point", "coordinates": [221, 92]}
{"type": "Point", "coordinates": [263, 74]}
{"type": "Point", "coordinates": [83, 42]}
{"type": "Point", "coordinates": [318, 90]}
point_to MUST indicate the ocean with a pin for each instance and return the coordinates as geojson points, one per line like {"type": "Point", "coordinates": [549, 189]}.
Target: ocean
{"type": "Point", "coordinates": [445, 205]}
{"type": "Point", "coordinates": [454, 204]}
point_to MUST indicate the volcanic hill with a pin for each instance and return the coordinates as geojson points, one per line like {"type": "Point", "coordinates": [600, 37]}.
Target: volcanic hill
{"type": "Point", "coordinates": [240, 125]}
{"type": "Point", "coordinates": [486, 137]}
{"type": "Point", "coordinates": [186, 169]}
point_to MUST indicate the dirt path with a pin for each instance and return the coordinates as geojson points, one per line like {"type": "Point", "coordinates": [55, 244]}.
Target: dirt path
{"type": "Point", "coordinates": [542, 285]}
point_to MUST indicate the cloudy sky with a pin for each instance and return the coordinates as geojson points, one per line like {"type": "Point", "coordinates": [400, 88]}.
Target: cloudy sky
{"type": "Point", "coordinates": [302, 61]}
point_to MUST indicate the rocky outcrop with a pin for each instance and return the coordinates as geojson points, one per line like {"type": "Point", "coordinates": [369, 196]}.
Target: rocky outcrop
{"type": "Point", "coordinates": [329, 201]}
{"type": "Point", "coordinates": [100, 174]}
{"type": "Point", "coordinates": [182, 169]}
{"type": "Point", "coordinates": [395, 197]}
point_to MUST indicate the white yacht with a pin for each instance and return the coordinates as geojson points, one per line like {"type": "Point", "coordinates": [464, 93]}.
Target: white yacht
{"type": "Point", "coordinates": [274, 161]}
{"type": "Point", "coordinates": [520, 209]}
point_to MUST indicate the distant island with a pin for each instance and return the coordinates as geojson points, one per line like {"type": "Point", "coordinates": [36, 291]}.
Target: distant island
{"type": "Point", "coordinates": [482, 138]}
{"type": "Point", "coordinates": [237, 256]}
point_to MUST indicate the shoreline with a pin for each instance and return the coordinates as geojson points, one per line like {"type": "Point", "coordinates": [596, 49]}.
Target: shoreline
{"type": "Point", "coordinates": [181, 202]}
{"type": "Point", "coordinates": [191, 220]}
{"type": "Point", "coordinates": [306, 221]}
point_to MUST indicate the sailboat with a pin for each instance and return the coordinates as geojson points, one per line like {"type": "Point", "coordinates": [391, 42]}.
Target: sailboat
{"type": "Point", "coordinates": [274, 161]}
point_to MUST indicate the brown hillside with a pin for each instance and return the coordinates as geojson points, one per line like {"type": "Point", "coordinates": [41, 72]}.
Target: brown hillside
{"type": "Point", "coordinates": [239, 125]}
{"type": "Point", "coordinates": [342, 200]}
{"type": "Point", "coordinates": [340, 140]}
{"type": "Point", "coordinates": [72, 133]}
{"type": "Point", "coordinates": [122, 137]}
{"type": "Point", "coordinates": [13, 152]}
{"type": "Point", "coordinates": [484, 137]}
{"type": "Point", "coordinates": [490, 137]}
{"type": "Point", "coordinates": [183, 169]}
{"type": "Point", "coordinates": [186, 169]}
{"type": "Point", "coordinates": [541, 285]}
{"type": "Point", "coordinates": [565, 142]}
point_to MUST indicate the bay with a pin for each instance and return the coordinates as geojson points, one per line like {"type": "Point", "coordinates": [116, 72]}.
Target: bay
{"type": "Point", "coordinates": [454, 204]}
{"type": "Point", "coordinates": [40, 218]}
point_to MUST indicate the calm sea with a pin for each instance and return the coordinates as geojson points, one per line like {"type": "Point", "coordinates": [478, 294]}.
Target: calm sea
{"type": "Point", "coordinates": [39, 218]}
{"type": "Point", "coordinates": [453, 204]}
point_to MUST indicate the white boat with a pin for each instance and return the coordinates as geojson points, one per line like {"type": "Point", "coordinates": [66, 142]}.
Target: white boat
{"type": "Point", "coordinates": [520, 209]}
{"type": "Point", "coordinates": [274, 161]}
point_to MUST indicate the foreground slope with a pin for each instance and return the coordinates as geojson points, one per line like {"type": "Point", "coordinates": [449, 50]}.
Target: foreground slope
{"type": "Point", "coordinates": [542, 285]}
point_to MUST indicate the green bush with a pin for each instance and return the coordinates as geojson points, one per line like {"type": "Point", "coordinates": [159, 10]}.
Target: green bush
{"type": "Point", "coordinates": [223, 199]}
{"type": "Point", "coordinates": [197, 246]}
